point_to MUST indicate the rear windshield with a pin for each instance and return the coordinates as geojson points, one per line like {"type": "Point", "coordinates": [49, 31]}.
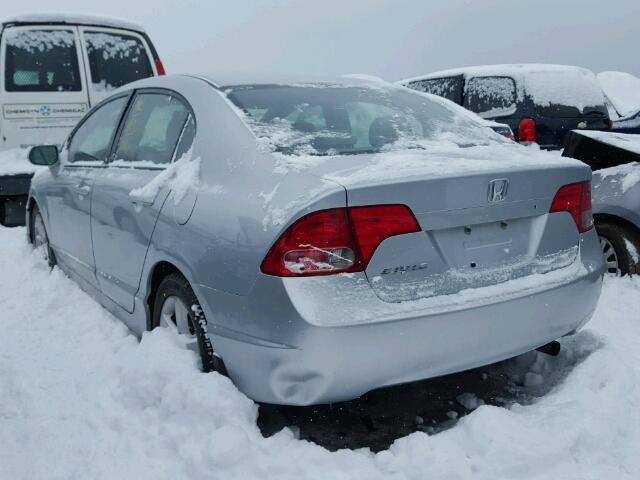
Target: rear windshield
{"type": "Point", "coordinates": [337, 119]}
{"type": "Point", "coordinates": [116, 59]}
{"type": "Point", "coordinates": [41, 61]}
{"type": "Point", "coordinates": [566, 94]}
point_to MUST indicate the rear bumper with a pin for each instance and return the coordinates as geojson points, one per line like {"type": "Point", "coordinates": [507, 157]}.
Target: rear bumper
{"type": "Point", "coordinates": [305, 363]}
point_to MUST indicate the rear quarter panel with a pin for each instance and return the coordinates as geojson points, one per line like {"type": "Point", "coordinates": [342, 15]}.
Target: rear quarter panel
{"type": "Point", "coordinates": [244, 200]}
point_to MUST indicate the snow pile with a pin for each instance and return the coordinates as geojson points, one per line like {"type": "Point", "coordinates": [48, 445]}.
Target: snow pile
{"type": "Point", "coordinates": [81, 398]}
{"type": "Point", "coordinates": [623, 91]}
{"type": "Point", "coordinates": [181, 177]}
{"type": "Point", "coordinates": [16, 162]}
{"type": "Point", "coordinates": [627, 175]}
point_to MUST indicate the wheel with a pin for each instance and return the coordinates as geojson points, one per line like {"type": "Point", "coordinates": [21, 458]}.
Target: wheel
{"type": "Point", "coordinates": [176, 307]}
{"type": "Point", "coordinates": [620, 246]}
{"type": "Point", "coordinates": [39, 237]}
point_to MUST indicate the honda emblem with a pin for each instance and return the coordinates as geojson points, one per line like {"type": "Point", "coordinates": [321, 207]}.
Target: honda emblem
{"type": "Point", "coordinates": [498, 190]}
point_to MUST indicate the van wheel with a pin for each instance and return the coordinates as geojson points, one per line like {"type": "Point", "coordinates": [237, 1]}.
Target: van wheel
{"type": "Point", "coordinates": [39, 237]}
{"type": "Point", "coordinates": [620, 246]}
{"type": "Point", "coordinates": [176, 307]}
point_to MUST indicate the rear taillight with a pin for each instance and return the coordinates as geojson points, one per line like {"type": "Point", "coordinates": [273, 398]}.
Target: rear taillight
{"type": "Point", "coordinates": [159, 67]}
{"type": "Point", "coordinates": [338, 240]}
{"type": "Point", "coordinates": [527, 130]}
{"type": "Point", "coordinates": [575, 198]}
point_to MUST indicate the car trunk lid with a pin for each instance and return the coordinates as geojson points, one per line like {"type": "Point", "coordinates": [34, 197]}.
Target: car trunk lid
{"type": "Point", "coordinates": [482, 222]}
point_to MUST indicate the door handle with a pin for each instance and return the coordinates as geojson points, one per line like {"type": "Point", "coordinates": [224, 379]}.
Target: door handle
{"type": "Point", "coordinates": [82, 189]}
{"type": "Point", "coordinates": [139, 200]}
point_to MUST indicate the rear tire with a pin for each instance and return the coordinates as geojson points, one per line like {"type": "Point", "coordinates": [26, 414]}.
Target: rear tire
{"type": "Point", "coordinates": [175, 295]}
{"type": "Point", "coordinates": [39, 238]}
{"type": "Point", "coordinates": [620, 248]}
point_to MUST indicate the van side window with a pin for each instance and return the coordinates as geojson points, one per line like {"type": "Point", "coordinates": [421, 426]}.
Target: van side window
{"type": "Point", "coordinates": [116, 59]}
{"type": "Point", "coordinates": [491, 96]}
{"type": "Point", "coordinates": [152, 128]}
{"type": "Point", "coordinates": [447, 87]}
{"type": "Point", "coordinates": [92, 140]}
{"type": "Point", "coordinates": [41, 61]}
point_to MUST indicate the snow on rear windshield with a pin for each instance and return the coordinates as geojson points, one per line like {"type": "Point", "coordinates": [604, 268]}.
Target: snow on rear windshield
{"type": "Point", "coordinates": [332, 119]}
{"type": "Point", "coordinates": [572, 88]}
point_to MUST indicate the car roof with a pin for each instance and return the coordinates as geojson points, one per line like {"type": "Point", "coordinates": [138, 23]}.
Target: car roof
{"type": "Point", "coordinates": [52, 18]}
{"type": "Point", "coordinates": [222, 80]}
{"type": "Point", "coordinates": [516, 70]}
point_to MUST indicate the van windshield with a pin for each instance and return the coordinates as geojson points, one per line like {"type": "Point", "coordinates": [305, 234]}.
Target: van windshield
{"type": "Point", "coordinates": [334, 119]}
{"type": "Point", "coordinates": [41, 61]}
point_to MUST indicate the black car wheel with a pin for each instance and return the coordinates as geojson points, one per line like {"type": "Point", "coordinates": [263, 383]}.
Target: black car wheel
{"type": "Point", "coordinates": [176, 307]}
{"type": "Point", "coordinates": [39, 237]}
{"type": "Point", "coordinates": [620, 246]}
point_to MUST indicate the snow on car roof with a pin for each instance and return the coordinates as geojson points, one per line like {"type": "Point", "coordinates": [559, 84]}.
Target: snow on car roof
{"type": "Point", "coordinates": [232, 79]}
{"type": "Point", "coordinates": [623, 91]}
{"type": "Point", "coordinates": [72, 19]}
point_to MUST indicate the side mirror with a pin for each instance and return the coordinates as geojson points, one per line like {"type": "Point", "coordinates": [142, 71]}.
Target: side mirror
{"type": "Point", "coordinates": [44, 155]}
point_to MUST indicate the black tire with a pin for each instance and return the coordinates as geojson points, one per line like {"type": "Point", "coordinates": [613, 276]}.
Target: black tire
{"type": "Point", "coordinates": [622, 242]}
{"type": "Point", "coordinates": [176, 285]}
{"type": "Point", "coordinates": [40, 238]}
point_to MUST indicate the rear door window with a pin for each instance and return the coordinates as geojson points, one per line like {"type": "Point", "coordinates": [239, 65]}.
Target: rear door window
{"type": "Point", "coordinates": [447, 87]}
{"type": "Point", "coordinates": [115, 59]}
{"type": "Point", "coordinates": [151, 131]}
{"type": "Point", "coordinates": [491, 97]}
{"type": "Point", "coordinates": [41, 60]}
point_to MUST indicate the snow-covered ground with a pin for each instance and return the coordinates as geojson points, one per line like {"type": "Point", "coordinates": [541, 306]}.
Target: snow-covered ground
{"type": "Point", "coordinates": [80, 398]}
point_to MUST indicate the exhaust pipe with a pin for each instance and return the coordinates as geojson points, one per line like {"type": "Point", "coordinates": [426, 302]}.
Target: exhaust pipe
{"type": "Point", "coordinates": [551, 348]}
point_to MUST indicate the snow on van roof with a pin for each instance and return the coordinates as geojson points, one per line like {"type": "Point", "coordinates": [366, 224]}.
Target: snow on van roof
{"type": "Point", "coordinates": [547, 84]}
{"type": "Point", "coordinates": [517, 70]}
{"type": "Point", "coordinates": [72, 19]}
{"type": "Point", "coordinates": [623, 91]}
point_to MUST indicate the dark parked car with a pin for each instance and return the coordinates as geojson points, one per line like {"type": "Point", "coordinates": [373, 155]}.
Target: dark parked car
{"type": "Point", "coordinates": [541, 103]}
{"type": "Point", "coordinates": [628, 124]}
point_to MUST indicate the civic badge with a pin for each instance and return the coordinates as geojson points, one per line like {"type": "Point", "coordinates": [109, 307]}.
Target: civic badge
{"type": "Point", "coordinates": [498, 190]}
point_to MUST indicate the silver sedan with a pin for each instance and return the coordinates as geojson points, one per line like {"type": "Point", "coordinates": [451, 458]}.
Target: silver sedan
{"type": "Point", "coordinates": [317, 239]}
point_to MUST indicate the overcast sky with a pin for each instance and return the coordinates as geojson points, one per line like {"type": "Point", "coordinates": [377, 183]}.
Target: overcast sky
{"type": "Point", "coordinates": [392, 39]}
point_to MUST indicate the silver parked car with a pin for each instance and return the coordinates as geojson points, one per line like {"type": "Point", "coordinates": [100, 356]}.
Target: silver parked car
{"type": "Point", "coordinates": [615, 161]}
{"type": "Point", "coordinates": [318, 239]}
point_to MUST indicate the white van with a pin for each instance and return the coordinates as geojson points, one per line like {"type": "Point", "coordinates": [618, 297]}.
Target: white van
{"type": "Point", "coordinates": [53, 68]}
